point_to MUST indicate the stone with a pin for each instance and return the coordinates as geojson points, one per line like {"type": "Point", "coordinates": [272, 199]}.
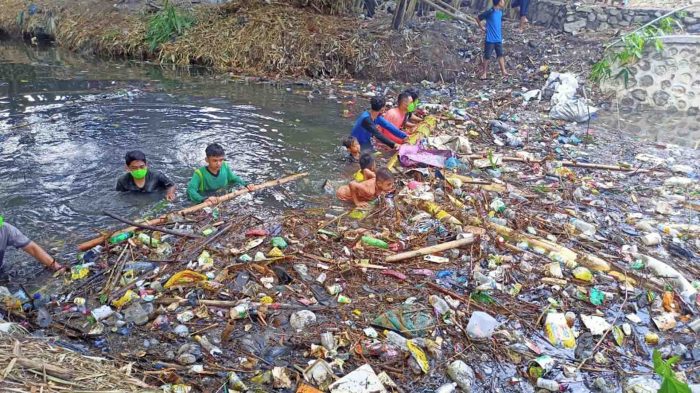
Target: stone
{"type": "Point", "coordinates": [591, 17]}
{"type": "Point", "coordinates": [689, 20]}
{"type": "Point", "coordinates": [661, 98]}
{"type": "Point", "coordinates": [574, 27]}
{"type": "Point", "coordinates": [640, 19]}
{"type": "Point", "coordinates": [613, 20]}
{"type": "Point", "coordinates": [601, 16]}
{"type": "Point", "coordinates": [639, 94]}
{"type": "Point", "coordinates": [613, 11]}
{"type": "Point", "coordinates": [603, 26]}
{"type": "Point", "coordinates": [624, 23]}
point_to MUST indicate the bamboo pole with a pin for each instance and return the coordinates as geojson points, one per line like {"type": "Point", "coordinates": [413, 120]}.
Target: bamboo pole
{"type": "Point", "coordinates": [163, 219]}
{"type": "Point", "coordinates": [442, 8]}
{"type": "Point", "coordinates": [149, 227]}
{"type": "Point", "coordinates": [432, 249]}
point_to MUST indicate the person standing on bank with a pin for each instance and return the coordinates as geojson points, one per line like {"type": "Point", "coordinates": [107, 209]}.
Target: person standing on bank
{"type": "Point", "coordinates": [139, 178]}
{"type": "Point", "coordinates": [12, 237]}
{"type": "Point", "coordinates": [494, 37]}
{"type": "Point", "coordinates": [522, 6]}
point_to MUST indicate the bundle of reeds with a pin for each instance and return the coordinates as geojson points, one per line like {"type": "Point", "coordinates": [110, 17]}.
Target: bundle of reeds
{"type": "Point", "coordinates": [35, 364]}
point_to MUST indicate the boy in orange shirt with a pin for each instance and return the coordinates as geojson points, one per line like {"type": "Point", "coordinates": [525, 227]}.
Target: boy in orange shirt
{"type": "Point", "coordinates": [397, 115]}
{"type": "Point", "coordinates": [360, 193]}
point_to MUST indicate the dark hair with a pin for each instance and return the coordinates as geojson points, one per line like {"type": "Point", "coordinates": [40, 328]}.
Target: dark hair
{"type": "Point", "coordinates": [347, 142]}
{"type": "Point", "coordinates": [403, 97]}
{"type": "Point", "coordinates": [366, 160]}
{"type": "Point", "coordinates": [413, 92]}
{"type": "Point", "coordinates": [134, 155]}
{"type": "Point", "coordinates": [377, 103]}
{"type": "Point", "coordinates": [496, 2]}
{"type": "Point", "coordinates": [384, 174]}
{"type": "Point", "coordinates": [215, 150]}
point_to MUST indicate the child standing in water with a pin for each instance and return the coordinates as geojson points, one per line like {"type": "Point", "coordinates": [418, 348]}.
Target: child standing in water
{"type": "Point", "coordinates": [367, 168]}
{"type": "Point", "coordinates": [353, 149]}
{"type": "Point", "coordinates": [216, 175]}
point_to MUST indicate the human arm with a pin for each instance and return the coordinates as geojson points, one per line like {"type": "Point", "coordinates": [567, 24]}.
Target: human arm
{"type": "Point", "coordinates": [42, 256]}
{"type": "Point", "coordinates": [164, 182]}
{"type": "Point", "coordinates": [354, 191]}
{"type": "Point", "coordinates": [193, 189]}
{"type": "Point", "coordinates": [368, 174]}
{"type": "Point", "coordinates": [367, 125]}
{"type": "Point", "coordinates": [392, 128]}
{"type": "Point", "coordinates": [483, 16]}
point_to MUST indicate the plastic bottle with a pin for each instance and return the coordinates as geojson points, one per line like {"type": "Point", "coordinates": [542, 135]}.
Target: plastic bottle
{"type": "Point", "coordinates": [584, 227]}
{"type": "Point", "coordinates": [240, 311]}
{"type": "Point", "coordinates": [558, 331]}
{"type": "Point", "coordinates": [91, 255]}
{"type": "Point", "coordinates": [552, 386]}
{"type": "Point", "coordinates": [148, 240]}
{"type": "Point", "coordinates": [370, 241]}
{"type": "Point", "coordinates": [439, 305]}
{"type": "Point", "coordinates": [396, 339]}
{"type": "Point", "coordinates": [116, 239]}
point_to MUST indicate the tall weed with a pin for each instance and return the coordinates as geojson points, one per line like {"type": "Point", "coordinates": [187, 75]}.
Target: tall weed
{"type": "Point", "coordinates": [167, 24]}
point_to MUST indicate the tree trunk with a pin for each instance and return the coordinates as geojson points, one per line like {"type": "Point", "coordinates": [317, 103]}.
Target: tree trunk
{"type": "Point", "coordinates": [397, 23]}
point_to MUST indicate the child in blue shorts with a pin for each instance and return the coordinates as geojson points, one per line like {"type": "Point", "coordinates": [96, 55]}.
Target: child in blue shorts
{"type": "Point", "coordinates": [494, 37]}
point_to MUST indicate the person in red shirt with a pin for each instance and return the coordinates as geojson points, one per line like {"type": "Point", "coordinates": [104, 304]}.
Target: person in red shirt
{"type": "Point", "coordinates": [396, 116]}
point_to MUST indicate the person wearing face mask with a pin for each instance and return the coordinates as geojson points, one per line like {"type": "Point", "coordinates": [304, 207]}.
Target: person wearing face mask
{"type": "Point", "coordinates": [139, 178]}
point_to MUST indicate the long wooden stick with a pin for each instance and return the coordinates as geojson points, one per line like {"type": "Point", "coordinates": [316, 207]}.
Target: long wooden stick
{"type": "Point", "coordinates": [149, 227]}
{"type": "Point", "coordinates": [441, 7]}
{"type": "Point", "coordinates": [429, 250]}
{"type": "Point", "coordinates": [163, 219]}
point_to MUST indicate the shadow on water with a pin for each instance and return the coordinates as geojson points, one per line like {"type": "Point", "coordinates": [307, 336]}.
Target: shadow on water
{"type": "Point", "coordinates": [58, 172]}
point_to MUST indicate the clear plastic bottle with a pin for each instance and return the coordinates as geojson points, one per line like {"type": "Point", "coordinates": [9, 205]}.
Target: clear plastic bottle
{"type": "Point", "coordinates": [584, 227]}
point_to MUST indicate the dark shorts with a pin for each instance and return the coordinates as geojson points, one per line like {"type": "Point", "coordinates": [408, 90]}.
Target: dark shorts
{"type": "Point", "coordinates": [522, 4]}
{"type": "Point", "coordinates": [489, 47]}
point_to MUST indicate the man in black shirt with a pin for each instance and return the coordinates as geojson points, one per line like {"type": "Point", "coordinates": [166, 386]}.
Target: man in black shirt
{"type": "Point", "coordinates": [140, 179]}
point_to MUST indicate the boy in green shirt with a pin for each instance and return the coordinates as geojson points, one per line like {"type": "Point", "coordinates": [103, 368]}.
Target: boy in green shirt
{"type": "Point", "coordinates": [216, 175]}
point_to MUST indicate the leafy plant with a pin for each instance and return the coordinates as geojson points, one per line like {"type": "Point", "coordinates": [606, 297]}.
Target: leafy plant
{"type": "Point", "coordinates": [664, 368]}
{"type": "Point", "coordinates": [492, 160]}
{"type": "Point", "coordinates": [166, 24]}
{"type": "Point", "coordinates": [631, 50]}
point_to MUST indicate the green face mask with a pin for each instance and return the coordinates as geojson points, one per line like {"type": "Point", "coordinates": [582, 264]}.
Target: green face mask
{"type": "Point", "coordinates": [2, 221]}
{"type": "Point", "coordinates": [413, 106]}
{"type": "Point", "coordinates": [139, 173]}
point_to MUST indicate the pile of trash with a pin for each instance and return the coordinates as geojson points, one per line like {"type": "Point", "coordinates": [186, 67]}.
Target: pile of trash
{"type": "Point", "coordinates": [515, 254]}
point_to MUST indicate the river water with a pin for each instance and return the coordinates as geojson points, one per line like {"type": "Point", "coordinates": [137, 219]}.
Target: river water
{"type": "Point", "coordinates": [66, 122]}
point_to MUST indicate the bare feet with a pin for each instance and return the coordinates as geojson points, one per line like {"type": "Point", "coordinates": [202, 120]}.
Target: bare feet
{"type": "Point", "coordinates": [482, 76]}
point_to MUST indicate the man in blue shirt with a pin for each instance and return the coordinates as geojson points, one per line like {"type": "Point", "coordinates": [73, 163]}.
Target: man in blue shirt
{"type": "Point", "coordinates": [494, 37]}
{"type": "Point", "coordinates": [366, 126]}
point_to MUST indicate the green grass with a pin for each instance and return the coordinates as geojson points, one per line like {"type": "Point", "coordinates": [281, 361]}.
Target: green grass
{"type": "Point", "coordinates": [167, 24]}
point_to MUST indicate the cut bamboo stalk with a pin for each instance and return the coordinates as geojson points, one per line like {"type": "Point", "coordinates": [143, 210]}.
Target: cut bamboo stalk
{"type": "Point", "coordinates": [432, 249]}
{"type": "Point", "coordinates": [164, 219]}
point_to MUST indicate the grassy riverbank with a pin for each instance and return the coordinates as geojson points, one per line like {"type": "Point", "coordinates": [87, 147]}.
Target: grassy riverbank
{"type": "Point", "coordinates": [243, 37]}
